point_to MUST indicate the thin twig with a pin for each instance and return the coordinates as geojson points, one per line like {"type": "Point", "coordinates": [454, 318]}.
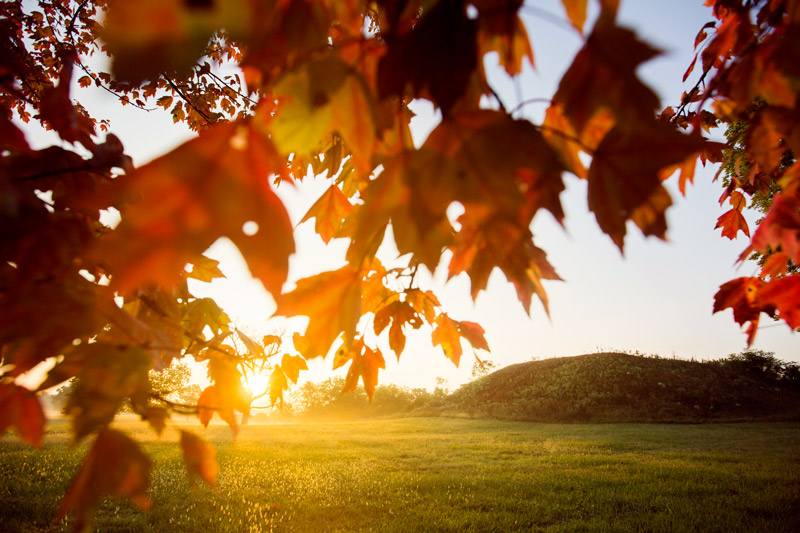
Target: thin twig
{"type": "Point", "coordinates": [523, 103]}
{"type": "Point", "coordinates": [186, 99]}
{"type": "Point", "coordinates": [71, 26]}
{"type": "Point", "coordinates": [568, 137]}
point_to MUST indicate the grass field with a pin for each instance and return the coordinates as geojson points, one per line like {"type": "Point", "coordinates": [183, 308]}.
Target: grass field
{"type": "Point", "coordinates": [440, 474]}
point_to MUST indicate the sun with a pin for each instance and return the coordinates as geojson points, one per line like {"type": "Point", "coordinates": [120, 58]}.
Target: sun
{"type": "Point", "coordinates": [258, 383]}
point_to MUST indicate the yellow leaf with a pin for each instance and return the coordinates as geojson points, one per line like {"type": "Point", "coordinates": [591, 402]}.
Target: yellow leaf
{"type": "Point", "coordinates": [300, 343]}
{"type": "Point", "coordinates": [292, 365]}
{"type": "Point", "coordinates": [303, 119]}
{"type": "Point", "coordinates": [205, 269]}
{"type": "Point", "coordinates": [322, 97]}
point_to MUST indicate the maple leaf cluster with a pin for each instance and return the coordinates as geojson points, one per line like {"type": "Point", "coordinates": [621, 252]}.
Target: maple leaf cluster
{"type": "Point", "coordinates": [750, 81]}
{"type": "Point", "coordinates": [278, 91]}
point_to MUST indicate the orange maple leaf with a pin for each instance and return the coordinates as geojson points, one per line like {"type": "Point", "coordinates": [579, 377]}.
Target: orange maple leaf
{"type": "Point", "coordinates": [364, 366]}
{"type": "Point", "coordinates": [485, 243]}
{"type": "Point", "coordinates": [114, 466]}
{"type": "Point", "coordinates": [413, 192]}
{"type": "Point", "coordinates": [331, 301]}
{"type": "Point", "coordinates": [200, 458]}
{"type": "Point", "coordinates": [780, 229]}
{"type": "Point", "coordinates": [576, 13]}
{"type": "Point", "coordinates": [501, 30]}
{"type": "Point", "coordinates": [207, 188]}
{"type": "Point", "coordinates": [474, 334]}
{"type": "Point", "coordinates": [732, 222]}
{"type": "Point", "coordinates": [742, 296]}
{"type": "Point", "coordinates": [601, 77]}
{"type": "Point", "coordinates": [330, 210]}
{"type": "Point", "coordinates": [772, 131]}
{"type": "Point", "coordinates": [624, 181]}
{"type": "Point", "coordinates": [213, 400]}
{"type": "Point", "coordinates": [447, 335]}
{"type": "Point", "coordinates": [20, 408]}
{"type": "Point", "coordinates": [399, 314]}
{"type": "Point", "coordinates": [784, 295]}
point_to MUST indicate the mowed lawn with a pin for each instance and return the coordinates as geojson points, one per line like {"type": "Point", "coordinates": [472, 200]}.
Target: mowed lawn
{"type": "Point", "coordinates": [437, 474]}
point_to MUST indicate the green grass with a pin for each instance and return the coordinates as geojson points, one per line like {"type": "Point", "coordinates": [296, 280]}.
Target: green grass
{"type": "Point", "coordinates": [440, 475]}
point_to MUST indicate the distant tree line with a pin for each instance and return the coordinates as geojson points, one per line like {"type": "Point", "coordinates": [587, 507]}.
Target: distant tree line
{"type": "Point", "coordinates": [171, 383]}
{"type": "Point", "coordinates": [763, 365]}
{"type": "Point", "coordinates": [325, 401]}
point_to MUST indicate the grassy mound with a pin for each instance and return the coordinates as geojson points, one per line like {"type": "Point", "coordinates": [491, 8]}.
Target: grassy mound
{"type": "Point", "coordinates": [616, 387]}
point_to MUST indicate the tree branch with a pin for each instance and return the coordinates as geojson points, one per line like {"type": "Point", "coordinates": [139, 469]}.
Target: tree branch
{"type": "Point", "coordinates": [186, 99]}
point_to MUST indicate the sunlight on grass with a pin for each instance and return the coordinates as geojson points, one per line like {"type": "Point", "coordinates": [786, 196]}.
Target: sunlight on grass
{"type": "Point", "coordinates": [440, 475]}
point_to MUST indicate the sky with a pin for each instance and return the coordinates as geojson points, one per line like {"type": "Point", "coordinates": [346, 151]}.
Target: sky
{"type": "Point", "coordinates": [657, 299]}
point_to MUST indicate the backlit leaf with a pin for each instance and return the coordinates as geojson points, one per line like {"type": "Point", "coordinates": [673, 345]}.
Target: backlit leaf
{"type": "Point", "coordinates": [301, 344]}
{"type": "Point", "coordinates": [489, 158]}
{"type": "Point", "coordinates": [20, 409]}
{"type": "Point", "coordinates": [330, 210]}
{"type": "Point", "coordinates": [277, 384]}
{"type": "Point", "coordinates": [486, 242]}
{"type": "Point", "coordinates": [624, 179]}
{"type": "Point", "coordinates": [742, 296]}
{"type": "Point", "coordinates": [207, 188]}
{"type": "Point", "coordinates": [501, 30]}
{"type": "Point", "coordinates": [784, 295]}
{"type": "Point", "coordinates": [323, 97]}
{"type": "Point", "coordinates": [364, 366]}
{"type": "Point", "coordinates": [732, 222]}
{"type": "Point", "coordinates": [253, 348]}
{"type": "Point", "coordinates": [780, 228]}
{"type": "Point", "coordinates": [576, 12]}
{"type": "Point", "coordinates": [332, 301]}
{"type": "Point", "coordinates": [292, 365]}
{"type": "Point", "coordinates": [200, 458]}
{"type": "Point", "coordinates": [435, 68]}
{"type": "Point", "coordinates": [205, 269]}
{"type": "Point", "coordinates": [446, 335]}
{"type": "Point", "coordinates": [215, 400]}
{"type": "Point", "coordinates": [474, 334]}
{"type": "Point", "coordinates": [114, 466]}
{"type": "Point", "coordinates": [399, 314]}
{"type": "Point", "coordinates": [424, 303]}
{"type": "Point", "coordinates": [601, 77]}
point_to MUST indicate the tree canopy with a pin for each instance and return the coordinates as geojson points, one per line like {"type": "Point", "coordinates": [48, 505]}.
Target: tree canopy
{"type": "Point", "coordinates": [279, 90]}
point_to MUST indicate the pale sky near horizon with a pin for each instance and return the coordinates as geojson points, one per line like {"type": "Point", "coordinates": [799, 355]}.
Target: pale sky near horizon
{"type": "Point", "coordinates": [657, 299]}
